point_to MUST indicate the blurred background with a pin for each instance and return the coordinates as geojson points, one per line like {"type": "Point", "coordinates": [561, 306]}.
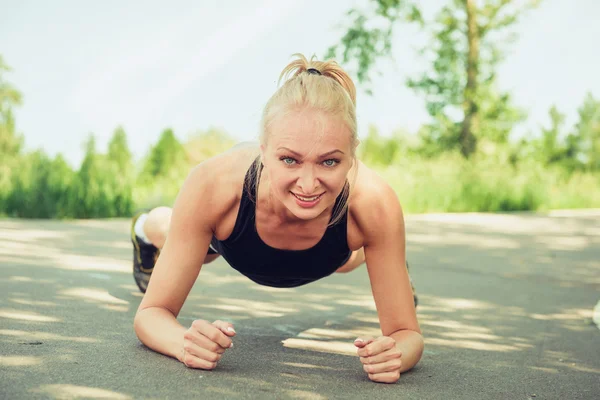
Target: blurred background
{"type": "Point", "coordinates": [463, 105]}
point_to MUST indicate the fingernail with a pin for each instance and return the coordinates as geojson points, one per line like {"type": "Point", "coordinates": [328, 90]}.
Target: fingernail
{"type": "Point", "coordinates": [230, 329]}
{"type": "Point", "coordinates": [359, 340]}
{"type": "Point", "coordinates": [231, 345]}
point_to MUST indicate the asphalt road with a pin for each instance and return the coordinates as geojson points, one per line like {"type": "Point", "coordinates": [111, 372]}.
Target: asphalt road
{"type": "Point", "coordinates": [506, 306]}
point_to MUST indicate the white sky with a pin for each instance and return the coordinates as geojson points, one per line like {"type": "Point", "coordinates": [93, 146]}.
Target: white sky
{"type": "Point", "coordinates": [87, 67]}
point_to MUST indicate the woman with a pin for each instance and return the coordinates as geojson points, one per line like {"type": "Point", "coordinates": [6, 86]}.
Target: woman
{"type": "Point", "coordinates": [290, 210]}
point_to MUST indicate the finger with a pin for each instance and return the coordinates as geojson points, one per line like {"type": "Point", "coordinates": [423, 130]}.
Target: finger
{"type": "Point", "coordinates": [388, 366]}
{"type": "Point", "coordinates": [382, 357]}
{"type": "Point", "coordinates": [193, 350]}
{"type": "Point", "coordinates": [378, 346]}
{"type": "Point", "coordinates": [225, 327]}
{"type": "Point", "coordinates": [192, 361]}
{"type": "Point", "coordinates": [386, 377]}
{"type": "Point", "coordinates": [362, 342]}
{"type": "Point", "coordinates": [202, 341]}
{"type": "Point", "coordinates": [213, 333]}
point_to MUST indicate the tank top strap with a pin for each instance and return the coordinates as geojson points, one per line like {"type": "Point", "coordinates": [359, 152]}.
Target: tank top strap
{"type": "Point", "coordinates": [340, 202]}
{"type": "Point", "coordinates": [247, 211]}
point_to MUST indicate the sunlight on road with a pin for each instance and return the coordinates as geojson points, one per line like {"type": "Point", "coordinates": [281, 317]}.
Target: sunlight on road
{"type": "Point", "coordinates": [93, 295]}
{"type": "Point", "coordinates": [26, 316]}
{"type": "Point", "coordinates": [336, 347]}
{"type": "Point", "coordinates": [19, 361]}
{"type": "Point", "coordinates": [68, 392]}
{"type": "Point", "coordinates": [38, 335]}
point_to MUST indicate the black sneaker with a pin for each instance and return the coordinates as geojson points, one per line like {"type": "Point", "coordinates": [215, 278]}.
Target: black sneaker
{"type": "Point", "coordinates": [144, 257]}
{"type": "Point", "coordinates": [414, 292]}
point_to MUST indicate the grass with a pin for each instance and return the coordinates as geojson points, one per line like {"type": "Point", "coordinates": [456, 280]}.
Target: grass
{"type": "Point", "coordinates": [450, 184]}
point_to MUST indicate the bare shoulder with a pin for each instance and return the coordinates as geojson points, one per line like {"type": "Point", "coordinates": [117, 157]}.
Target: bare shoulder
{"type": "Point", "coordinates": [374, 205]}
{"type": "Point", "coordinates": [215, 185]}
{"type": "Point", "coordinates": [231, 165]}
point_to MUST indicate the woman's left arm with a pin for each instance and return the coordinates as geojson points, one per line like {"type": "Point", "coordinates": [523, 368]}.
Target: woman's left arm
{"type": "Point", "coordinates": [401, 346]}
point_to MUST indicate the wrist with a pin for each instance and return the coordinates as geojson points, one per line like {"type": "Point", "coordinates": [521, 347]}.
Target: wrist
{"type": "Point", "coordinates": [411, 344]}
{"type": "Point", "coordinates": [178, 349]}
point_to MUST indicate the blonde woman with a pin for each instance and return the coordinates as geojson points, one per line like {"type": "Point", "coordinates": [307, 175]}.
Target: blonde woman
{"type": "Point", "coordinates": [289, 210]}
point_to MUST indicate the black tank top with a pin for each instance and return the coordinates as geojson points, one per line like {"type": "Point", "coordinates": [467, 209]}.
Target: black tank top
{"type": "Point", "coordinates": [245, 251]}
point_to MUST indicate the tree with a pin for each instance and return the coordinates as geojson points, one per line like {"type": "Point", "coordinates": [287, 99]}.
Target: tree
{"type": "Point", "coordinates": [119, 161]}
{"type": "Point", "coordinates": [166, 155]}
{"type": "Point", "coordinates": [40, 187]}
{"type": "Point", "coordinates": [378, 150]}
{"type": "Point", "coordinates": [91, 193]}
{"type": "Point", "coordinates": [586, 134]}
{"type": "Point", "coordinates": [11, 142]}
{"type": "Point", "coordinates": [464, 53]}
{"type": "Point", "coordinates": [203, 145]}
{"type": "Point", "coordinates": [118, 151]}
{"type": "Point", "coordinates": [551, 150]}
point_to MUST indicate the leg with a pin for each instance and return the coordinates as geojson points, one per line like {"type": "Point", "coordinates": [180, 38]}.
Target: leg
{"type": "Point", "coordinates": [156, 229]}
{"type": "Point", "coordinates": [157, 225]}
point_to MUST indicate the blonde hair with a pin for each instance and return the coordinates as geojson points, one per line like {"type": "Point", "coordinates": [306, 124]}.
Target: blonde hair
{"type": "Point", "coordinates": [322, 86]}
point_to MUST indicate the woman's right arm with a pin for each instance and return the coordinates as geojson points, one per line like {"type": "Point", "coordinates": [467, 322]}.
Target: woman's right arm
{"type": "Point", "coordinates": [175, 273]}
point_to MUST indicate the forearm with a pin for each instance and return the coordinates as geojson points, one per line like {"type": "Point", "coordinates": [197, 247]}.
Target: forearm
{"type": "Point", "coordinates": [159, 330]}
{"type": "Point", "coordinates": [411, 344]}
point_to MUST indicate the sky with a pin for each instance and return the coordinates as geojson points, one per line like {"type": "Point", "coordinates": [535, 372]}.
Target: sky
{"type": "Point", "coordinates": [88, 67]}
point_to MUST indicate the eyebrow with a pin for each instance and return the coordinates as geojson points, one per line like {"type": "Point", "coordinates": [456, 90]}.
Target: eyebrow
{"type": "Point", "coordinates": [321, 156]}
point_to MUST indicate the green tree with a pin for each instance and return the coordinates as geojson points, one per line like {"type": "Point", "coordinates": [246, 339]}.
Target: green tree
{"type": "Point", "coordinates": [118, 150]}
{"type": "Point", "coordinates": [40, 187]}
{"type": "Point", "coordinates": [586, 135]}
{"type": "Point", "coordinates": [203, 145]}
{"type": "Point", "coordinates": [90, 195]}
{"type": "Point", "coordinates": [60, 180]}
{"type": "Point", "coordinates": [166, 157]}
{"type": "Point", "coordinates": [551, 148]}
{"type": "Point", "coordinates": [120, 163]}
{"type": "Point", "coordinates": [464, 51]}
{"type": "Point", "coordinates": [379, 150]}
{"type": "Point", "coordinates": [11, 142]}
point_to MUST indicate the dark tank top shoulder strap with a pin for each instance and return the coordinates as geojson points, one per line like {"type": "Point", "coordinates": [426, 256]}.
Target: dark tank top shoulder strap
{"type": "Point", "coordinates": [246, 213]}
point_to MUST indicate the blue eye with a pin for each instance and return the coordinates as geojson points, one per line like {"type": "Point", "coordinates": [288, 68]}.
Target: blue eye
{"type": "Point", "coordinates": [331, 162]}
{"type": "Point", "coordinates": [288, 160]}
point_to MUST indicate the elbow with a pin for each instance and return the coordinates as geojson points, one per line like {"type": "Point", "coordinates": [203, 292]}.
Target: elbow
{"type": "Point", "coordinates": [420, 347]}
{"type": "Point", "coordinates": [412, 345]}
{"type": "Point", "coordinates": [138, 323]}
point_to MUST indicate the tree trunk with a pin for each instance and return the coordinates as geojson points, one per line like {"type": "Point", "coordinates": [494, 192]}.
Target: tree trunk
{"type": "Point", "coordinates": [470, 122]}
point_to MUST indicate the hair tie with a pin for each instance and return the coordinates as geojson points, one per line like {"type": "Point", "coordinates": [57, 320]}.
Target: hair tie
{"type": "Point", "coordinates": [313, 71]}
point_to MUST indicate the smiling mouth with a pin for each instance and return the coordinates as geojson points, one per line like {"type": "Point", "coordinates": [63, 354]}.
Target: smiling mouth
{"type": "Point", "coordinates": [307, 199]}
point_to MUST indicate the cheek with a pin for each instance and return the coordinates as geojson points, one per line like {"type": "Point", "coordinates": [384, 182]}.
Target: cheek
{"type": "Point", "coordinates": [334, 181]}
{"type": "Point", "coordinates": [282, 181]}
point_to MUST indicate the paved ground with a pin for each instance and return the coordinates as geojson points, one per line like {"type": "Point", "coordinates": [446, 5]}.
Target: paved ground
{"type": "Point", "coordinates": [506, 310]}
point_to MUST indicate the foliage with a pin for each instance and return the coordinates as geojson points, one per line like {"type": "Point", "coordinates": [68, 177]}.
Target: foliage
{"type": "Point", "coordinates": [463, 159]}
{"type": "Point", "coordinates": [459, 87]}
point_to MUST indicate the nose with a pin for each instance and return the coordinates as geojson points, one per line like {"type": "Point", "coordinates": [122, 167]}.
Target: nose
{"type": "Point", "coordinates": [308, 181]}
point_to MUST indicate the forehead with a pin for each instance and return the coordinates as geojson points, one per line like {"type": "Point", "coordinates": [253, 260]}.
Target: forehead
{"type": "Point", "coordinates": [307, 130]}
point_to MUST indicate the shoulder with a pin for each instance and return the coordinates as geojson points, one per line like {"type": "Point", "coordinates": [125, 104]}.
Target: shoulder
{"type": "Point", "coordinates": [228, 167]}
{"type": "Point", "coordinates": [374, 205]}
{"type": "Point", "coordinates": [215, 185]}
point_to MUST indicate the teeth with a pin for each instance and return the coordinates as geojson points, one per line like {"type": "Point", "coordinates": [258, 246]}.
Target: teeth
{"type": "Point", "coordinates": [307, 198]}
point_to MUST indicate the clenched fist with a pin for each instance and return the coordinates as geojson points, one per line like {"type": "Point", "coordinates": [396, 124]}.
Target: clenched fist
{"type": "Point", "coordinates": [204, 343]}
{"type": "Point", "coordinates": [380, 358]}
